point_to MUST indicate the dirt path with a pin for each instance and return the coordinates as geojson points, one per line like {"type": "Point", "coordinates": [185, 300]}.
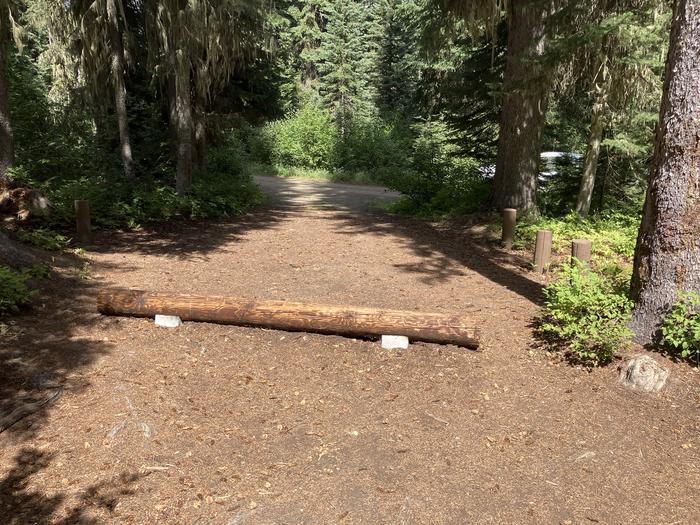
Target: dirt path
{"type": "Point", "coordinates": [217, 425]}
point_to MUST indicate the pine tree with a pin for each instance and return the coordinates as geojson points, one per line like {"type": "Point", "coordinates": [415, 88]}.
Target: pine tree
{"type": "Point", "coordinates": [667, 257]}
{"type": "Point", "coordinates": [348, 58]}
{"type": "Point", "coordinates": [196, 45]}
{"type": "Point", "coordinates": [8, 30]}
{"type": "Point", "coordinates": [398, 61]}
{"type": "Point", "coordinates": [612, 48]}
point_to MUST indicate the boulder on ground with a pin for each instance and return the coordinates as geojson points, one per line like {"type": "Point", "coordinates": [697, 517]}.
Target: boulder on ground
{"type": "Point", "coordinates": [643, 373]}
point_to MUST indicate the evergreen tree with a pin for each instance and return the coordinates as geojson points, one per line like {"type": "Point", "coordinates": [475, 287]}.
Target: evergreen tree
{"type": "Point", "coordinates": [667, 258]}
{"type": "Point", "coordinates": [348, 58]}
{"type": "Point", "coordinates": [399, 61]}
{"type": "Point", "coordinates": [8, 30]}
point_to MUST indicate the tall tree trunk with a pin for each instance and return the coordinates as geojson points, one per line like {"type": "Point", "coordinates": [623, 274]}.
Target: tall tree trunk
{"type": "Point", "coordinates": [200, 132]}
{"type": "Point", "coordinates": [523, 110]}
{"type": "Point", "coordinates": [590, 165]}
{"type": "Point", "coordinates": [7, 156]}
{"type": "Point", "coordinates": [667, 258]}
{"type": "Point", "coordinates": [183, 115]}
{"type": "Point", "coordinates": [116, 50]}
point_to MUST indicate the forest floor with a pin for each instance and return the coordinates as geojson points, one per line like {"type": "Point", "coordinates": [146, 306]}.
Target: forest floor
{"type": "Point", "coordinates": [209, 424]}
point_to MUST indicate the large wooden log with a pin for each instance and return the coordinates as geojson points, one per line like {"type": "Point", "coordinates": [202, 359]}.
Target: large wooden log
{"type": "Point", "coordinates": [282, 315]}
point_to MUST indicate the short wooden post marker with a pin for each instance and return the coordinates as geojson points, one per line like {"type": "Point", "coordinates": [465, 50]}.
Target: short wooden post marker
{"type": "Point", "coordinates": [82, 221]}
{"type": "Point", "coordinates": [508, 232]}
{"type": "Point", "coordinates": [543, 250]}
{"type": "Point", "coordinates": [581, 250]}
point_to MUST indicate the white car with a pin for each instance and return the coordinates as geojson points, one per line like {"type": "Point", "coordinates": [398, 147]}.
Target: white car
{"type": "Point", "coordinates": [549, 161]}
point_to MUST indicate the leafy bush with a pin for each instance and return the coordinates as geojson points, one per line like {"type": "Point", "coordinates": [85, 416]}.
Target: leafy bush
{"type": "Point", "coordinates": [223, 190]}
{"type": "Point", "coordinates": [422, 161]}
{"type": "Point", "coordinates": [613, 234]}
{"type": "Point", "coordinates": [307, 138]}
{"type": "Point", "coordinates": [439, 182]}
{"type": "Point", "coordinates": [376, 146]}
{"type": "Point", "coordinates": [44, 238]}
{"type": "Point", "coordinates": [588, 312]}
{"type": "Point", "coordinates": [13, 290]}
{"type": "Point", "coordinates": [681, 328]}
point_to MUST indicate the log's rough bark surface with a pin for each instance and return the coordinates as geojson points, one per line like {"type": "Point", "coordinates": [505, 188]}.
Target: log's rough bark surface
{"type": "Point", "coordinates": [523, 111]}
{"type": "Point", "coordinates": [667, 257]}
{"type": "Point", "coordinates": [117, 67]}
{"type": "Point", "coordinates": [6, 141]}
{"type": "Point", "coordinates": [282, 315]}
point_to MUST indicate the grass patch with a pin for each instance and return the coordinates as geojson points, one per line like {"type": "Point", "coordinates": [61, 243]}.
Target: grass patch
{"type": "Point", "coordinates": [320, 174]}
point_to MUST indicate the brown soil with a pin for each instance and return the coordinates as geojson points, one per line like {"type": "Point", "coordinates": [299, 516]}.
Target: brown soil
{"type": "Point", "coordinates": [223, 425]}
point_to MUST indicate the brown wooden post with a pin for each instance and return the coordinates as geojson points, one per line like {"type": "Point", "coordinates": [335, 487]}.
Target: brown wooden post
{"type": "Point", "coordinates": [82, 221]}
{"type": "Point", "coordinates": [581, 250]}
{"type": "Point", "coordinates": [543, 250]}
{"type": "Point", "coordinates": [508, 231]}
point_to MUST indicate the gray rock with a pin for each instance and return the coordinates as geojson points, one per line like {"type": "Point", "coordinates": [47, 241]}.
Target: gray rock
{"type": "Point", "coordinates": [643, 373]}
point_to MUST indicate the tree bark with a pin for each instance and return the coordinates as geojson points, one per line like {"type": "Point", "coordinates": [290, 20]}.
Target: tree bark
{"type": "Point", "coordinates": [283, 315]}
{"type": "Point", "coordinates": [523, 111]}
{"type": "Point", "coordinates": [590, 165]}
{"type": "Point", "coordinates": [200, 132]}
{"type": "Point", "coordinates": [7, 156]}
{"type": "Point", "coordinates": [116, 50]}
{"type": "Point", "coordinates": [183, 114]}
{"type": "Point", "coordinates": [667, 257]}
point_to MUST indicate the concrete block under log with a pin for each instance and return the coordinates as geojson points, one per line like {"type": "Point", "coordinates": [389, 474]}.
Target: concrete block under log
{"type": "Point", "coordinates": [298, 317]}
{"type": "Point", "coordinates": [392, 342]}
{"type": "Point", "coordinates": [168, 321]}
{"type": "Point", "coordinates": [508, 231]}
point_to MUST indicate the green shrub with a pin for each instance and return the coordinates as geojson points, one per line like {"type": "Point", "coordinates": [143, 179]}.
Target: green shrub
{"type": "Point", "coordinates": [223, 190]}
{"type": "Point", "coordinates": [14, 291]}
{"type": "Point", "coordinates": [375, 146]}
{"type": "Point", "coordinates": [612, 233]}
{"type": "Point", "coordinates": [438, 181]}
{"type": "Point", "coordinates": [307, 138]}
{"type": "Point", "coordinates": [588, 312]}
{"type": "Point", "coordinates": [44, 238]}
{"type": "Point", "coordinates": [681, 328]}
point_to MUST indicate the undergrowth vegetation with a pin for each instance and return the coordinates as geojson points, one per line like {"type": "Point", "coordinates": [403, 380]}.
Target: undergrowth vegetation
{"type": "Point", "coordinates": [14, 289]}
{"type": "Point", "coordinates": [223, 190]}
{"type": "Point", "coordinates": [613, 234]}
{"type": "Point", "coordinates": [587, 312]}
{"type": "Point", "coordinates": [681, 329]}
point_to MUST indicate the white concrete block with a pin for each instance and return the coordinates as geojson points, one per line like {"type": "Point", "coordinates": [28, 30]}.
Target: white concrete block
{"type": "Point", "coordinates": [168, 321]}
{"type": "Point", "coordinates": [390, 342]}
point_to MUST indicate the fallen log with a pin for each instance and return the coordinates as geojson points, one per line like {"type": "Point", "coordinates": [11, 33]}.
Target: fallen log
{"type": "Point", "coordinates": [295, 317]}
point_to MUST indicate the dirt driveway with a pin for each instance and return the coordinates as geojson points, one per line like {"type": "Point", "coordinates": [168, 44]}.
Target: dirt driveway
{"type": "Point", "coordinates": [210, 424]}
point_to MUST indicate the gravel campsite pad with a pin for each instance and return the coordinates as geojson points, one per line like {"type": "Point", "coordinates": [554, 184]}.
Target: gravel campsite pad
{"type": "Point", "coordinates": [209, 424]}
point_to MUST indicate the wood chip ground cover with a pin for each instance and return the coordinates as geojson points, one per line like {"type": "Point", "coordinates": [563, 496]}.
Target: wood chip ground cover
{"type": "Point", "coordinates": [219, 425]}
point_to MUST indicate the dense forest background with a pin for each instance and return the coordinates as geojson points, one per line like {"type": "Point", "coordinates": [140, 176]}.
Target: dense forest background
{"type": "Point", "coordinates": [162, 109]}
{"type": "Point", "coordinates": [406, 93]}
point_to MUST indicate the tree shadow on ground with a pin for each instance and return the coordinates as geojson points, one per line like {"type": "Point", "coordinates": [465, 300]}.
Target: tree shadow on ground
{"type": "Point", "coordinates": [43, 352]}
{"type": "Point", "coordinates": [447, 250]}
{"type": "Point", "coordinates": [21, 505]}
{"type": "Point", "coordinates": [187, 240]}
